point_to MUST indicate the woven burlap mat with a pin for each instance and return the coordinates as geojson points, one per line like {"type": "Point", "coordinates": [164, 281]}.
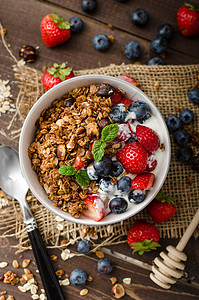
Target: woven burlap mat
{"type": "Point", "coordinates": [168, 87]}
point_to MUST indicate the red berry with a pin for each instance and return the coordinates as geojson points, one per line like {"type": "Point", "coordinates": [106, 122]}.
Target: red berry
{"type": "Point", "coordinates": [126, 102]}
{"type": "Point", "coordinates": [130, 79]}
{"type": "Point", "coordinates": [143, 181]}
{"type": "Point", "coordinates": [133, 157]}
{"type": "Point", "coordinates": [78, 164]}
{"type": "Point", "coordinates": [54, 31]}
{"type": "Point", "coordinates": [188, 20]}
{"type": "Point", "coordinates": [147, 137]}
{"type": "Point", "coordinates": [161, 211]}
{"type": "Point", "coordinates": [95, 208]}
{"type": "Point", "coordinates": [124, 133]}
{"type": "Point", "coordinates": [116, 97]}
{"type": "Point", "coordinates": [151, 162]}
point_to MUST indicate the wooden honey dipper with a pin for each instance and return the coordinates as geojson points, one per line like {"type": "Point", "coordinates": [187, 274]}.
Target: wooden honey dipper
{"type": "Point", "coordinates": [169, 269]}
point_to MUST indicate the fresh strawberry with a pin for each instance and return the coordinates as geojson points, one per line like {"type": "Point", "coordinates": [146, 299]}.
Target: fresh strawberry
{"type": "Point", "coordinates": [151, 162]}
{"type": "Point", "coordinates": [130, 79]}
{"type": "Point", "coordinates": [124, 133]}
{"type": "Point", "coordinates": [147, 137]}
{"type": "Point", "coordinates": [95, 208]}
{"type": "Point", "coordinates": [143, 181]}
{"type": "Point", "coordinates": [188, 20]}
{"type": "Point", "coordinates": [133, 157]}
{"type": "Point", "coordinates": [143, 237]}
{"type": "Point", "coordinates": [54, 31]}
{"type": "Point", "coordinates": [55, 75]}
{"type": "Point", "coordinates": [126, 102]}
{"type": "Point", "coordinates": [161, 208]}
{"type": "Point", "coordinates": [78, 164]}
{"type": "Point", "coordinates": [116, 97]}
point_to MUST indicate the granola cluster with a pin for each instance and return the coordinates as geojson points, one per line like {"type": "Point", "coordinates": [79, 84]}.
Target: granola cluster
{"type": "Point", "coordinates": [66, 131]}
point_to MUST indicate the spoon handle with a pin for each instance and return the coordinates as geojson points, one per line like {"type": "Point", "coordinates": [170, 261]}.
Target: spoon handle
{"type": "Point", "coordinates": [47, 273]}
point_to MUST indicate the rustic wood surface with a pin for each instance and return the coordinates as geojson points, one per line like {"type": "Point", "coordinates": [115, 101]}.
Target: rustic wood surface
{"type": "Point", "coordinates": [22, 21]}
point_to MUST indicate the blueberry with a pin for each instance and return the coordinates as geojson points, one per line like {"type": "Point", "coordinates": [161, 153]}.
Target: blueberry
{"type": "Point", "coordinates": [77, 24]}
{"type": "Point", "coordinates": [133, 138]}
{"type": "Point", "coordinates": [146, 117]}
{"type": "Point", "coordinates": [181, 136]}
{"type": "Point", "coordinates": [140, 109]}
{"type": "Point", "coordinates": [118, 205]}
{"type": "Point", "coordinates": [186, 116]}
{"type": "Point", "coordinates": [136, 196]}
{"type": "Point", "coordinates": [89, 5]}
{"type": "Point", "coordinates": [92, 174]}
{"type": "Point", "coordinates": [166, 31]}
{"type": "Point", "coordinates": [194, 96]}
{"type": "Point", "coordinates": [117, 169]}
{"type": "Point", "coordinates": [159, 45]}
{"type": "Point", "coordinates": [78, 277]}
{"type": "Point", "coordinates": [184, 154]}
{"type": "Point", "coordinates": [139, 17]}
{"type": "Point", "coordinates": [104, 266]}
{"type": "Point", "coordinates": [101, 42]}
{"type": "Point", "coordinates": [157, 61]}
{"type": "Point", "coordinates": [106, 185]}
{"type": "Point", "coordinates": [124, 184]}
{"type": "Point", "coordinates": [105, 90]}
{"type": "Point", "coordinates": [118, 113]}
{"type": "Point", "coordinates": [132, 50]}
{"type": "Point", "coordinates": [83, 246]}
{"type": "Point", "coordinates": [69, 102]}
{"type": "Point", "coordinates": [104, 166]}
{"type": "Point", "coordinates": [173, 123]}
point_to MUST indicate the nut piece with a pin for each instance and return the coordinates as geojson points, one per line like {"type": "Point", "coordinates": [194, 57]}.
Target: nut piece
{"type": "Point", "coordinates": [113, 280]}
{"type": "Point", "coordinates": [59, 273]}
{"type": "Point", "coordinates": [28, 53]}
{"type": "Point", "coordinates": [99, 254]}
{"type": "Point", "coordinates": [2, 298]}
{"type": "Point", "coordinates": [15, 264]}
{"type": "Point", "coordinates": [3, 264]}
{"type": "Point", "coordinates": [25, 263]}
{"type": "Point", "coordinates": [3, 293]}
{"type": "Point", "coordinates": [83, 292]}
{"type": "Point", "coordinates": [53, 257]}
{"type": "Point", "coordinates": [127, 280]}
{"type": "Point", "coordinates": [61, 152]}
{"type": "Point", "coordinates": [118, 291]}
{"type": "Point", "coordinates": [10, 277]}
{"type": "Point", "coordinates": [89, 277]}
{"type": "Point", "coordinates": [10, 297]}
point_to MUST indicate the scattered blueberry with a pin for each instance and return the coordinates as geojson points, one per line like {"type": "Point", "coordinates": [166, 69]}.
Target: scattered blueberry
{"type": "Point", "coordinates": [166, 31]}
{"type": "Point", "coordinates": [83, 246]}
{"type": "Point", "coordinates": [101, 42]}
{"type": "Point", "coordinates": [173, 123]}
{"type": "Point", "coordinates": [104, 266]}
{"type": "Point", "coordinates": [184, 154]}
{"type": "Point", "coordinates": [186, 116]}
{"type": "Point", "coordinates": [146, 117]}
{"type": "Point", "coordinates": [181, 136]}
{"type": "Point", "coordinates": [92, 174]}
{"type": "Point", "coordinates": [89, 5]}
{"type": "Point", "coordinates": [69, 102]}
{"type": "Point", "coordinates": [117, 169]}
{"type": "Point", "coordinates": [106, 185]}
{"type": "Point", "coordinates": [132, 50]}
{"type": "Point", "coordinates": [118, 205]}
{"type": "Point", "coordinates": [136, 196]}
{"type": "Point", "coordinates": [139, 17]}
{"type": "Point", "coordinates": [140, 108]}
{"type": "Point", "coordinates": [133, 138]}
{"type": "Point", "coordinates": [124, 184]}
{"type": "Point", "coordinates": [104, 166]}
{"type": "Point", "coordinates": [118, 113]}
{"type": "Point", "coordinates": [105, 90]}
{"type": "Point", "coordinates": [159, 45]}
{"type": "Point", "coordinates": [194, 96]}
{"type": "Point", "coordinates": [78, 277]}
{"type": "Point", "coordinates": [77, 24]}
{"type": "Point", "coordinates": [156, 61]}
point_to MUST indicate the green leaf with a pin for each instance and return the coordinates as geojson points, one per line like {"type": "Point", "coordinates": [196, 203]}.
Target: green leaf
{"type": "Point", "coordinates": [145, 246]}
{"type": "Point", "coordinates": [191, 7]}
{"type": "Point", "coordinates": [67, 170]}
{"type": "Point", "coordinates": [62, 77]}
{"type": "Point", "coordinates": [59, 21]}
{"type": "Point", "coordinates": [51, 71]}
{"type": "Point", "coordinates": [62, 66]}
{"type": "Point", "coordinates": [66, 71]}
{"type": "Point", "coordinates": [98, 150]}
{"type": "Point", "coordinates": [82, 177]}
{"type": "Point", "coordinates": [56, 65]}
{"type": "Point", "coordinates": [161, 196]}
{"type": "Point", "coordinates": [109, 132]}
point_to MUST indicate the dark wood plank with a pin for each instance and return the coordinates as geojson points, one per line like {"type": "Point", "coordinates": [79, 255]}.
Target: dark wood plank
{"type": "Point", "coordinates": [119, 15]}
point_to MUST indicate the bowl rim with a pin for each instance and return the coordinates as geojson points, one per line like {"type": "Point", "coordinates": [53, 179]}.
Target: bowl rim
{"type": "Point", "coordinates": [56, 210]}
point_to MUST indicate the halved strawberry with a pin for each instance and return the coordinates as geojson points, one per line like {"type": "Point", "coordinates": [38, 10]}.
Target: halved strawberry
{"type": "Point", "coordinates": [78, 164]}
{"type": "Point", "coordinates": [116, 97]}
{"type": "Point", "coordinates": [151, 162]}
{"type": "Point", "coordinates": [126, 102]}
{"type": "Point", "coordinates": [124, 133]}
{"type": "Point", "coordinates": [95, 208]}
{"type": "Point", "coordinates": [147, 137]}
{"type": "Point", "coordinates": [143, 181]}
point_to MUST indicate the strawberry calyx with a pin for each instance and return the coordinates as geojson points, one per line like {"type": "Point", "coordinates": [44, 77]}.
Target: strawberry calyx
{"type": "Point", "coordinates": [191, 7]}
{"type": "Point", "coordinates": [59, 71]}
{"type": "Point", "coordinates": [145, 246]}
{"type": "Point", "coordinates": [162, 197]}
{"type": "Point", "coordinates": [59, 21]}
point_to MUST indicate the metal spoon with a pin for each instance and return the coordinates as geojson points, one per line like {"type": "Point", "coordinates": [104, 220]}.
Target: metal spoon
{"type": "Point", "coordinates": [13, 184]}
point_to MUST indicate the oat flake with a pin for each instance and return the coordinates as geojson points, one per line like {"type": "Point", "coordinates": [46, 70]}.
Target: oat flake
{"type": "Point", "coordinates": [3, 264]}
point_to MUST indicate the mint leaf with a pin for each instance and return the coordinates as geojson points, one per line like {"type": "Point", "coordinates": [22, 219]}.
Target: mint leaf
{"type": "Point", "coordinates": [98, 150]}
{"type": "Point", "coordinates": [82, 177]}
{"type": "Point", "coordinates": [109, 132]}
{"type": "Point", "coordinates": [67, 170]}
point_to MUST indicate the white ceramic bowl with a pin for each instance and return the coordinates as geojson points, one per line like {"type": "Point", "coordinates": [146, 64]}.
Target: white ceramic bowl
{"type": "Point", "coordinates": [29, 129]}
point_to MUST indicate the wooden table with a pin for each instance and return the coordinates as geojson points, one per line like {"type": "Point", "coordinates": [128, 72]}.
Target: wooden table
{"type": "Point", "coordinates": [22, 21]}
